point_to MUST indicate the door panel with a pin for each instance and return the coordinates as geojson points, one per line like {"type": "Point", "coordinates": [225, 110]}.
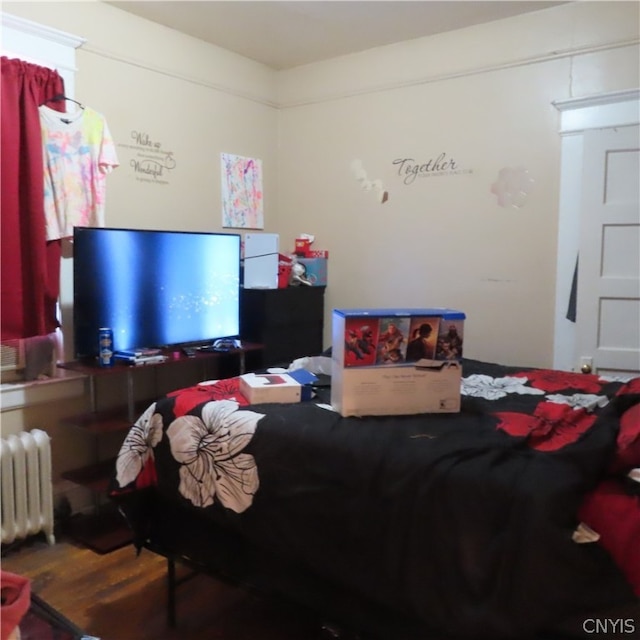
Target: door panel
{"type": "Point", "coordinates": [608, 305]}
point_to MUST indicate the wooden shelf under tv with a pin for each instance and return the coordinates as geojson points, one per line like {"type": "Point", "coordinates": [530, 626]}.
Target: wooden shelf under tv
{"type": "Point", "coordinates": [99, 422]}
{"type": "Point", "coordinates": [102, 532]}
{"type": "Point", "coordinates": [105, 421]}
{"type": "Point", "coordinates": [90, 367]}
{"type": "Point", "coordinates": [94, 476]}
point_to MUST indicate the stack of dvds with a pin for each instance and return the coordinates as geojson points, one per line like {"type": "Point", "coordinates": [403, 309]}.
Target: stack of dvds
{"type": "Point", "coordinates": [136, 357]}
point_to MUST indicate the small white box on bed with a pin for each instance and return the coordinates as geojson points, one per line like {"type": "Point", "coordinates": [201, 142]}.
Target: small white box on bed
{"type": "Point", "coordinates": [260, 388]}
{"type": "Point", "coordinates": [390, 361]}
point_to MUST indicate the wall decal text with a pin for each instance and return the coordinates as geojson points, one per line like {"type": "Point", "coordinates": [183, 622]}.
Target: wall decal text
{"type": "Point", "coordinates": [148, 161]}
{"type": "Point", "coordinates": [441, 165]}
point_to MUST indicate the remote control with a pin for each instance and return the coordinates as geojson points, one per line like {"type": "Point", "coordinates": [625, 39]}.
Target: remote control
{"type": "Point", "coordinates": [189, 352]}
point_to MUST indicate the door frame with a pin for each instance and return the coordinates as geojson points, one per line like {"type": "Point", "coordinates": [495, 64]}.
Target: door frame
{"type": "Point", "coordinates": [577, 115]}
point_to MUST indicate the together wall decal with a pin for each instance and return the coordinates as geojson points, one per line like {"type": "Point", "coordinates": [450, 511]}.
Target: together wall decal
{"type": "Point", "coordinates": [511, 187]}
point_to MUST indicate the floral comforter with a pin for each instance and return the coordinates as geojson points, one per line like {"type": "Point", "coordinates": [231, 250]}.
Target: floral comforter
{"type": "Point", "coordinates": [520, 510]}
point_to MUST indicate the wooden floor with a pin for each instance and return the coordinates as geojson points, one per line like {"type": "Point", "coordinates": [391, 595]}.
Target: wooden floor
{"type": "Point", "coordinates": [118, 596]}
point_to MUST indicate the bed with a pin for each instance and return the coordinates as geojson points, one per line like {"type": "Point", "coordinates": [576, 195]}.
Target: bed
{"type": "Point", "coordinates": [515, 518]}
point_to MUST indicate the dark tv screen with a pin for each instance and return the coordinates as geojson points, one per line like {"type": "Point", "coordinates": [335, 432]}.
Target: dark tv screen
{"type": "Point", "coordinates": [154, 288]}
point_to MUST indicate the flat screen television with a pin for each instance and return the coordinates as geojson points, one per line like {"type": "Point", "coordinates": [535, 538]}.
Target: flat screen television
{"type": "Point", "coordinates": [154, 288]}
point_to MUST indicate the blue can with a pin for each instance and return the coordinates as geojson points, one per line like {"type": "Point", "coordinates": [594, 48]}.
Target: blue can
{"type": "Point", "coordinates": [105, 347]}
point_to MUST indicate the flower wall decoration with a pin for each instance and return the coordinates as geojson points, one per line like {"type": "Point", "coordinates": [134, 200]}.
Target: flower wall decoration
{"type": "Point", "coordinates": [512, 187]}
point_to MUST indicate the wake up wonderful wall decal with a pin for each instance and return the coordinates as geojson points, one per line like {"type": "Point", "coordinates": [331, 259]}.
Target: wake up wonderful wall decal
{"type": "Point", "coordinates": [151, 162]}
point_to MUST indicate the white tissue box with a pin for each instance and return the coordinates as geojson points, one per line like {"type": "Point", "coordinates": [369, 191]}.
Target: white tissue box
{"type": "Point", "coordinates": [260, 388]}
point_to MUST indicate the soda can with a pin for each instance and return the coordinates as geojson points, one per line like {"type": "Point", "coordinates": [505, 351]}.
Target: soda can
{"type": "Point", "coordinates": [105, 347]}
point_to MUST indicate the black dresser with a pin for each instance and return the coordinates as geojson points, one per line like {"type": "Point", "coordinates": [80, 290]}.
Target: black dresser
{"type": "Point", "coordinates": [288, 322]}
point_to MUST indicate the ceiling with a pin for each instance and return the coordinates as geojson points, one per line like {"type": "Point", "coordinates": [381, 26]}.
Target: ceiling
{"type": "Point", "coordinates": [283, 35]}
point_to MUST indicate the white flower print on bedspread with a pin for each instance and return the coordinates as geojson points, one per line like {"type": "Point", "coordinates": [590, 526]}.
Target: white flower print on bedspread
{"type": "Point", "coordinates": [483, 386]}
{"type": "Point", "coordinates": [210, 452]}
{"type": "Point", "coordinates": [587, 401]}
{"type": "Point", "coordinates": [138, 446]}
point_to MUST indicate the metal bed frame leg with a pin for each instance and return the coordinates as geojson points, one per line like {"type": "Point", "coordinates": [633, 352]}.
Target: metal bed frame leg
{"type": "Point", "coordinates": [171, 593]}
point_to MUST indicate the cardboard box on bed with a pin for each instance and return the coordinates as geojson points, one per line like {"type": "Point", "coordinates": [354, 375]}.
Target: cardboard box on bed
{"type": "Point", "coordinates": [259, 388]}
{"type": "Point", "coordinates": [396, 361]}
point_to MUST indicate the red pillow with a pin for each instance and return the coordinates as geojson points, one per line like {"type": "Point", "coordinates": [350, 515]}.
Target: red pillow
{"type": "Point", "coordinates": [627, 455]}
{"type": "Point", "coordinates": [615, 515]}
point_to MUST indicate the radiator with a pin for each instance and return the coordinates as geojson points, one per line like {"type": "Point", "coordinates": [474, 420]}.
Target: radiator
{"type": "Point", "coordinates": [26, 491]}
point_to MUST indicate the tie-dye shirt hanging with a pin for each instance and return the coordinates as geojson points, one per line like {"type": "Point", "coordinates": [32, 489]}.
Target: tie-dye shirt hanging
{"type": "Point", "coordinates": [79, 153]}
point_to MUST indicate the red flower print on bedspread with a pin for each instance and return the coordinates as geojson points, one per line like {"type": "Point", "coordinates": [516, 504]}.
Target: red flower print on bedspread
{"type": "Point", "coordinates": [187, 399]}
{"type": "Point", "coordinates": [551, 427]}
{"type": "Point", "coordinates": [148, 476]}
{"type": "Point", "coordinates": [135, 462]}
{"type": "Point", "coordinates": [633, 386]}
{"type": "Point", "coordinates": [627, 454]}
{"type": "Point", "coordinates": [552, 381]}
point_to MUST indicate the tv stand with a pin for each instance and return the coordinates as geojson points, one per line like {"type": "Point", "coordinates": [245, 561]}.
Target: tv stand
{"type": "Point", "coordinates": [103, 531]}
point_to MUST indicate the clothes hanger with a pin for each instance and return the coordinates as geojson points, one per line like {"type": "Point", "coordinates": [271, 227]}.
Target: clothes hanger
{"type": "Point", "coordinates": [60, 96]}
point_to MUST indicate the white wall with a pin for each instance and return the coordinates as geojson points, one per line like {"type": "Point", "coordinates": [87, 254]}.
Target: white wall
{"type": "Point", "coordinates": [482, 96]}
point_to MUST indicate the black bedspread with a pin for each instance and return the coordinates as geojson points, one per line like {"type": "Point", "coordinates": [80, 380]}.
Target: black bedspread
{"type": "Point", "coordinates": [463, 523]}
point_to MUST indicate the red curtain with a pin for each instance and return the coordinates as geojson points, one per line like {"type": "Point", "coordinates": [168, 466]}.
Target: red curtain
{"type": "Point", "coordinates": [30, 274]}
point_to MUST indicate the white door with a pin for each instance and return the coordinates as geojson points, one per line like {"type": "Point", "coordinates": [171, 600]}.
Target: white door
{"type": "Point", "coordinates": [608, 295]}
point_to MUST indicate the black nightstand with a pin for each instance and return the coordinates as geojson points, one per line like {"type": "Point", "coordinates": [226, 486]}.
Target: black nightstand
{"type": "Point", "coordinates": [288, 322]}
